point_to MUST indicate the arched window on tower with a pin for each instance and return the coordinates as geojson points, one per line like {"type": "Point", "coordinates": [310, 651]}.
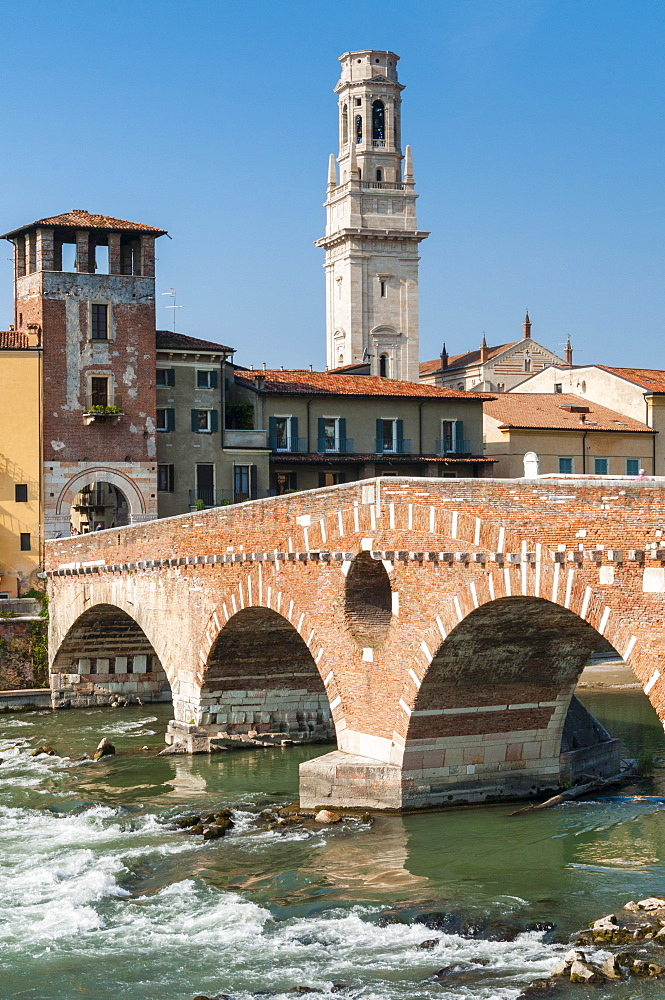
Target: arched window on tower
{"type": "Point", "coordinates": [379, 175]}
{"type": "Point", "coordinates": [345, 126]}
{"type": "Point", "coordinates": [383, 366]}
{"type": "Point", "coordinates": [359, 128]}
{"type": "Point", "coordinates": [396, 125]}
{"type": "Point", "coordinates": [378, 124]}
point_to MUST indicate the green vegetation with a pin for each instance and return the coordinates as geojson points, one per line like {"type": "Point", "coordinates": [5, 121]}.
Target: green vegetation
{"type": "Point", "coordinates": [97, 408]}
{"type": "Point", "coordinates": [240, 416]}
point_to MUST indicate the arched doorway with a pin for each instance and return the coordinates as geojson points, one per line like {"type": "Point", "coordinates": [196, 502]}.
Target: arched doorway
{"type": "Point", "coordinates": [496, 708]}
{"type": "Point", "coordinates": [96, 506]}
{"type": "Point", "coordinates": [106, 657]}
{"type": "Point", "coordinates": [261, 677]}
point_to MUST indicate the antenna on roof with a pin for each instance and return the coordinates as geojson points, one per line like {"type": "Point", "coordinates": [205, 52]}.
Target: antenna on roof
{"type": "Point", "coordinates": [173, 305]}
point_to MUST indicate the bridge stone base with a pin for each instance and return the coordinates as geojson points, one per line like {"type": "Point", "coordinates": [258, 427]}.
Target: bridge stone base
{"type": "Point", "coordinates": [349, 781]}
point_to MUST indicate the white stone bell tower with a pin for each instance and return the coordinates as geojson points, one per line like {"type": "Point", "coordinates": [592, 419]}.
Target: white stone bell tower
{"type": "Point", "coordinates": [372, 235]}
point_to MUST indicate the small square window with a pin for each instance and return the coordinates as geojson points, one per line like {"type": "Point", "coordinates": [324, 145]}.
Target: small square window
{"type": "Point", "coordinates": [565, 465]}
{"type": "Point", "coordinates": [21, 492]}
{"type": "Point", "coordinates": [165, 419]}
{"type": "Point", "coordinates": [632, 466]}
{"type": "Point", "coordinates": [99, 321]}
{"type": "Point", "coordinates": [600, 466]}
{"type": "Point", "coordinates": [165, 478]}
{"type": "Point", "coordinates": [558, 386]}
{"type": "Point", "coordinates": [25, 541]}
{"type": "Point", "coordinates": [206, 378]}
{"type": "Point", "coordinates": [165, 376]}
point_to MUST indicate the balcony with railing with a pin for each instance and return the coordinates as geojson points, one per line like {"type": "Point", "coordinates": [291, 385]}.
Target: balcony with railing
{"type": "Point", "coordinates": [334, 446]}
{"type": "Point", "coordinates": [394, 446]}
{"type": "Point", "coordinates": [200, 499]}
{"type": "Point", "coordinates": [455, 447]}
{"type": "Point", "coordinates": [382, 186]}
{"type": "Point", "coordinates": [292, 445]}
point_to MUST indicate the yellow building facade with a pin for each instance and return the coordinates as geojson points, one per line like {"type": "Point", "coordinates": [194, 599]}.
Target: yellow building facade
{"type": "Point", "coordinates": [21, 540]}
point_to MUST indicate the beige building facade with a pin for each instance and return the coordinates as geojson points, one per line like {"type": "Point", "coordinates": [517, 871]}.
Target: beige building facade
{"type": "Point", "coordinates": [372, 237]}
{"type": "Point", "coordinates": [568, 434]}
{"type": "Point", "coordinates": [638, 393]}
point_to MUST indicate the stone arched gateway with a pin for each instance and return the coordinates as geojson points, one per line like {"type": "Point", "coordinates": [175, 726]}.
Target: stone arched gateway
{"type": "Point", "coordinates": [136, 501]}
{"type": "Point", "coordinates": [452, 553]}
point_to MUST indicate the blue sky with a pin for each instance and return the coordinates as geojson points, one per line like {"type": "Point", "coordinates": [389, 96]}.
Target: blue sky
{"type": "Point", "coordinates": [537, 135]}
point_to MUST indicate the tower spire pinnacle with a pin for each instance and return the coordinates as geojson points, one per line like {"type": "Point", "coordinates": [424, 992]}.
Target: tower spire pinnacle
{"type": "Point", "coordinates": [332, 172]}
{"type": "Point", "coordinates": [568, 353]}
{"type": "Point", "coordinates": [408, 166]}
{"type": "Point", "coordinates": [526, 326]}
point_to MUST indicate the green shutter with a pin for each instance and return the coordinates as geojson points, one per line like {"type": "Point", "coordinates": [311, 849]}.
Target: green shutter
{"type": "Point", "coordinates": [379, 435]}
{"type": "Point", "coordinates": [272, 432]}
{"type": "Point", "coordinates": [170, 419]}
{"type": "Point", "coordinates": [294, 433]}
{"type": "Point", "coordinates": [195, 420]}
{"type": "Point", "coordinates": [170, 376]}
{"type": "Point", "coordinates": [342, 433]}
{"type": "Point", "coordinates": [214, 421]}
{"type": "Point", "coordinates": [253, 483]}
{"type": "Point", "coordinates": [213, 379]}
{"type": "Point", "coordinates": [459, 436]}
{"type": "Point", "coordinates": [399, 430]}
{"type": "Point", "coordinates": [320, 445]}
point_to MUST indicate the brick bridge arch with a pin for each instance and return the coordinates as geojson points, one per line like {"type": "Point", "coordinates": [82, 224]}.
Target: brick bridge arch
{"type": "Point", "coordinates": [449, 550]}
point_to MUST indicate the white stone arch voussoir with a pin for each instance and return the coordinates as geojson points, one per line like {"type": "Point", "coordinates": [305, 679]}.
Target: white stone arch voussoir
{"type": "Point", "coordinates": [102, 474]}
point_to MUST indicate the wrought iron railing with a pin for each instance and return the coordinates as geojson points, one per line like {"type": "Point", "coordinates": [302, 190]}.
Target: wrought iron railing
{"type": "Point", "coordinates": [290, 444]}
{"type": "Point", "coordinates": [201, 498]}
{"type": "Point", "coordinates": [340, 446]}
{"type": "Point", "coordinates": [398, 446]}
{"type": "Point", "coordinates": [453, 447]}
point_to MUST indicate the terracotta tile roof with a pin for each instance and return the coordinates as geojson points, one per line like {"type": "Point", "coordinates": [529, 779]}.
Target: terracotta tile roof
{"type": "Point", "coordinates": [336, 460]}
{"type": "Point", "coordinates": [462, 360]}
{"type": "Point", "coordinates": [648, 378]}
{"type": "Point", "coordinates": [169, 341]}
{"type": "Point", "coordinates": [332, 384]}
{"type": "Point", "coordinates": [13, 340]}
{"type": "Point", "coordinates": [80, 219]}
{"type": "Point", "coordinates": [545, 410]}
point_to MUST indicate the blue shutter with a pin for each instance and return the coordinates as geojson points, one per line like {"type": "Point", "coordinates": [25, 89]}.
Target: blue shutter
{"type": "Point", "coordinates": [321, 444]}
{"type": "Point", "coordinates": [213, 379]}
{"type": "Point", "coordinates": [399, 429]}
{"type": "Point", "coordinates": [170, 419]}
{"type": "Point", "coordinates": [459, 436]}
{"type": "Point", "coordinates": [195, 420]}
{"type": "Point", "coordinates": [272, 432]}
{"type": "Point", "coordinates": [214, 421]}
{"type": "Point", "coordinates": [342, 434]}
{"type": "Point", "coordinates": [379, 435]}
{"type": "Point", "coordinates": [294, 434]}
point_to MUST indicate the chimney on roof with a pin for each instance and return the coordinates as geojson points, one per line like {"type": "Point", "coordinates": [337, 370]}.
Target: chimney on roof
{"type": "Point", "coordinates": [483, 351]}
{"type": "Point", "coordinates": [526, 326]}
{"type": "Point", "coordinates": [568, 353]}
{"type": "Point", "coordinates": [444, 357]}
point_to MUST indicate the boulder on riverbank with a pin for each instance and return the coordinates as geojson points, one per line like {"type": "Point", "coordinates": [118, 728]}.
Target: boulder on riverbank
{"type": "Point", "coordinates": [104, 749]}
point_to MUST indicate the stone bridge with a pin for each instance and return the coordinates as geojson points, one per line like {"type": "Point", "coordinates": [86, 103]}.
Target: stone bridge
{"type": "Point", "coordinates": [435, 628]}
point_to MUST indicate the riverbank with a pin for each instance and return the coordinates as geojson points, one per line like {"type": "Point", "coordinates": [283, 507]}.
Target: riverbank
{"type": "Point", "coordinates": [611, 673]}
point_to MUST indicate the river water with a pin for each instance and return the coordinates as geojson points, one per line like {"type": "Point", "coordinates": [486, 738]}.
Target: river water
{"type": "Point", "coordinates": [103, 897]}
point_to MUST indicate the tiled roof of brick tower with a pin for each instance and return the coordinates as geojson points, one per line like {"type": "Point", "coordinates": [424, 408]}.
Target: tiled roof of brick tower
{"type": "Point", "coordinates": [13, 340]}
{"type": "Point", "coordinates": [462, 360]}
{"type": "Point", "coordinates": [332, 384]}
{"type": "Point", "coordinates": [549, 411]}
{"type": "Point", "coordinates": [648, 378]}
{"type": "Point", "coordinates": [78, 218]}
{"type": "Point", "coordinates": [168, 341]}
